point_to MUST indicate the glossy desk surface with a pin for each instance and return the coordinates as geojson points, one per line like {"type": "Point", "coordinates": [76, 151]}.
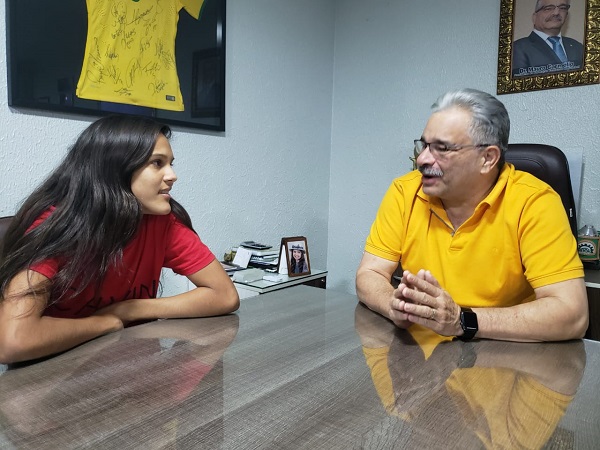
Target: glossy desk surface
{"type": "Point", "coordinates": [289, 370]}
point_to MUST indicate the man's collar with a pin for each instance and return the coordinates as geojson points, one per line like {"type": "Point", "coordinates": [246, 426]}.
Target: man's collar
{"type": "Point", "coordinates": [493, 195]}
{"type": "Point", "coordinates": [545, 36]}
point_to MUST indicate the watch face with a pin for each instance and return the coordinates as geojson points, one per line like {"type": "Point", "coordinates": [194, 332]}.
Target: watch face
{"type": "Point", "coordinates": [468, 321]}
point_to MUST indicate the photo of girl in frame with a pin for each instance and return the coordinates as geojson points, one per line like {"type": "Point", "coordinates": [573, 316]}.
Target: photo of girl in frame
{"type": "Point", "coordinates": [296, 250]}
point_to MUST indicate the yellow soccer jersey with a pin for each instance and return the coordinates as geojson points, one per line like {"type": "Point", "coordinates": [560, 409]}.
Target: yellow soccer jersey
{"type": "Point", "coordinates": [130, 52]}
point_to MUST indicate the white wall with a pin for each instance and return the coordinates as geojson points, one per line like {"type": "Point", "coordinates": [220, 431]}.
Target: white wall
{"type": "Point", "coordinates": [294, 160]}
{"type": "Point", "coordinates": [267, 176]}
{"type": "Point", "coordinates": [392, 60]}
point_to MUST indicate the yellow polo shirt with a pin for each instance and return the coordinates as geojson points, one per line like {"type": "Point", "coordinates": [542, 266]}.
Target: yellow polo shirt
{"type": "Point", "coordinates": [517, 239]}
{"type": "Point", "coordinates": [130, 52]}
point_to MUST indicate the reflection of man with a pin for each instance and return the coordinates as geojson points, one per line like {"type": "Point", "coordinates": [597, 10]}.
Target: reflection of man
{"type": "Point", "coordinates": [545, 49]}
{"type": "Point", "coordinates": [501, 391]}
{"type": "Point", "coordinates": [471, 231]}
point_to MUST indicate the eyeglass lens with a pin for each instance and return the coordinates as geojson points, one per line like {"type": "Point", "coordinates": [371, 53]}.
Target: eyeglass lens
{"type": "Point", "coordinates": [551, 8]}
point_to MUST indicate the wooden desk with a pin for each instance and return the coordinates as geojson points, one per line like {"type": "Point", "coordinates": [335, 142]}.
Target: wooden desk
{"type": "Point", "coordinates": [292, 374]}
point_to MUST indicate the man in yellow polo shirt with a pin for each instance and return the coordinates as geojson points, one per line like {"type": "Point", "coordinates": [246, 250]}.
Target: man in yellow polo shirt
{"type": "Point", "coordinates": [487, 249]}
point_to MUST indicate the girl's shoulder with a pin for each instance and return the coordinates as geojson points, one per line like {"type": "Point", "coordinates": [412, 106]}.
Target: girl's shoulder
{"type": "Point", "coordinates": [168, 222]}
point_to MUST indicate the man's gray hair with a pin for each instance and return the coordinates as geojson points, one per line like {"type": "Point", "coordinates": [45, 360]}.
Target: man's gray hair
{"type": "Point", "coordinates": [490, 123]}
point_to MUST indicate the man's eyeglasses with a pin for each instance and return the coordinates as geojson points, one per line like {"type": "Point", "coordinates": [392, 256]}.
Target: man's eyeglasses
{"type": "Point", "coordinates": [551, 8]}
{"type": "Point", "coordinates": [438, 149]}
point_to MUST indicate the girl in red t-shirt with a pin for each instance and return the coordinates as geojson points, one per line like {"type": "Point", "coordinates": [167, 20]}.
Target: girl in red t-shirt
{"type": "Point", "coordinates": [83, 254]}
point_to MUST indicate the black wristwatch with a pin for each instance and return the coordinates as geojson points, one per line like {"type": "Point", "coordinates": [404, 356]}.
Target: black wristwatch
{"type": "Point", "coordinates": [468, 323]}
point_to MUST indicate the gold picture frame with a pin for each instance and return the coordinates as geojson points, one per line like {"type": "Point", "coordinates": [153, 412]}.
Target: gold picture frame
{"type": "Point", "coordinates": [589, 73]}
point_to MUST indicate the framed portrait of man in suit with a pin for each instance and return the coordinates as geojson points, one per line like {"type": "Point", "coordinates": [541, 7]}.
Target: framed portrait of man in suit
{"type": "Point", "coordinates": [545, 44]}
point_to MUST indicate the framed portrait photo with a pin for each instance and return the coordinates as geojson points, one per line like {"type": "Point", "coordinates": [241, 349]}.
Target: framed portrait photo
{"type": "Point", "coordinates": [546, 44]}
{"type": "Point", "coordinates": [293, 259]}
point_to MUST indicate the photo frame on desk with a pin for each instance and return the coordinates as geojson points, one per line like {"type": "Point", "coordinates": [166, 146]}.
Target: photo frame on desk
{"type": "Point", "coordinates": [293, 257]}
{"type": "Point", "coordinates": [524, 62]}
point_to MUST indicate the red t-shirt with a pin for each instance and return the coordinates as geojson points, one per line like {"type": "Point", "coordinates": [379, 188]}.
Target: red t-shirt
{"type": "Point", "coordinates": [162, 241]}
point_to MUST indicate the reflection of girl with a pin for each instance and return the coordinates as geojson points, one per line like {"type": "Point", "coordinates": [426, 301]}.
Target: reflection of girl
{"type": "Point", "coordinates": [83, 255]}
{"type": "Point", "coordinates": [298, 260]}
{"type": "Point", "coordinates": [182, 360]}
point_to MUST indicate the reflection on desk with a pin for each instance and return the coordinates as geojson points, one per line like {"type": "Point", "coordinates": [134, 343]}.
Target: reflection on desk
{"type": "Point", "coordinates": [306, 368]}
{"type": "Point", "coordinates": [317, 278]}
{"type": "Point", "coordinates": [490, 394]}
{"type": "Point", "coordinates": [120, 390]}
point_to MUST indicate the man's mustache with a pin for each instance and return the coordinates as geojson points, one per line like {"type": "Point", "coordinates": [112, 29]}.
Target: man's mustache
{"type": "Point", "coordinates": [430, 171]}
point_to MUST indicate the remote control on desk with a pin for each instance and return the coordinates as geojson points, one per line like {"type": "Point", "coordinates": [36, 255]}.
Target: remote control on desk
{"type": "Point", "coordinates": [255, 245]}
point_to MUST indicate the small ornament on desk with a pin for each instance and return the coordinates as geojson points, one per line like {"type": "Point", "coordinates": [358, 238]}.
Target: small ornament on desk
{"type": "Point", "coordinates": [229, 256]}
{"type": "Point", "coordinates": [587, 247]}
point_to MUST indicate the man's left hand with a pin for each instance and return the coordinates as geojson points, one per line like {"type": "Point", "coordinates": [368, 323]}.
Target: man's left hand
{"type": "Point", "coordinates": [425, 302]}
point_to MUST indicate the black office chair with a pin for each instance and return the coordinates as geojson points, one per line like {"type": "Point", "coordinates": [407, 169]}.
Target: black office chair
{"type": "Point", "coordinates": [550, 165]}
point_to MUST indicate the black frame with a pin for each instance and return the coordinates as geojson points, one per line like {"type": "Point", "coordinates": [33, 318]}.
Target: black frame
{"type": "Point", "coordinates": [44, 65]}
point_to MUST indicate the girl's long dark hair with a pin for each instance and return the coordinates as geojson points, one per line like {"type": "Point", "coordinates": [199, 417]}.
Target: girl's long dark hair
{"type": "Point", "coordinates": [94, 212]}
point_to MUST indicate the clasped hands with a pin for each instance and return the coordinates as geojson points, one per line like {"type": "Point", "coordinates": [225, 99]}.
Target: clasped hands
{"type": "Point", "coordinates": [420, 299]}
